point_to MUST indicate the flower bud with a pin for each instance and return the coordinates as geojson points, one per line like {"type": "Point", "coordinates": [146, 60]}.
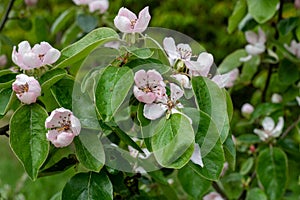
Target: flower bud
{"type": "Point", "coordinates": [247, 109]}
{"type": "Point", "coordinates": [276, 98]}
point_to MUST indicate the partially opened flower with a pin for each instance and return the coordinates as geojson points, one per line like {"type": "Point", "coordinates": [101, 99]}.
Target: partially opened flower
{"type": "Point", "coordinates": [63, 127]}
{"type": "Point", "coordinates": [127, 22]}
{"type": "Point", "coordinates": [148, 86]}
{"type": "Point", "coordinates": [100, 5]}
{"type": "Point", "coordinates": [30, 58]}
{"type": "Point", "coordinates": [269, 129]}
{"type": "Point", "coordinates": [27, 88]}
{"type": "Point", "coordinates": [256, 44]}
{"type": "Point", "coordinates": [226, 80]}
{"type": "Point", "coordinates": [294, 48]}
{"type": "Point", "coordinates": [170, 104]}
{"type": "Point", "coordinates": [196, 157]}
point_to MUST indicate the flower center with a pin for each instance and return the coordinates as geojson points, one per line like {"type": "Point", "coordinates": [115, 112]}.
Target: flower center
{"type": "Point", "coordinates": [22, 89]}
{"type": "Point", "coordinates": [133, 22]}
{"type": "Point", "coordinates": [147, 89]}
{"type": "Point", "coordinates": [65, 124]}
{"type": "Point", "coordinates": [41, 56]}
{"type": "Point", "coordinates": [184, 53]}
{"type": "Point", "coordinates": [170, 104]}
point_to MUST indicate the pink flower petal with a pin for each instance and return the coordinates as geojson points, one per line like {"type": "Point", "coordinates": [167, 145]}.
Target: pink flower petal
{"type": "Point", "coordinates": [183, 80]}
{"type": "Point", "coordinates": [57, 116]}
{"type": "Point", "coordinates": [170, 48]}
{"type": "Point", "coordinates": [124, 12]}
{"type": "Point", "coordinates": [154, 111]}
{"type": "Point", "coordinates": [154, 78]}
{"type": "Point", "coordinates": [32, 60]}
{"type": "Point", "coordinates": [176, 92]}
{"type": "Point", "coordinates": [24, 47]}
{"type": "Point", "coordinates": [143, 20]}
{"type": "Point", "coordinates": [144, 97]}
{"type": "Point", "coordinates": [141, 79]}
{"type": "Point", "coordinates": [123, 24]}
{"type": "Point", "coordinates": [63, 139]}
{"type": "Point", "coordinates": [51, 56]}
{"type": "Point", "coordinates": [76, 126]}
{"type": "Point", "coordinates": [251, 37]}
{"type": "Point", "coordinates": [101, 5]}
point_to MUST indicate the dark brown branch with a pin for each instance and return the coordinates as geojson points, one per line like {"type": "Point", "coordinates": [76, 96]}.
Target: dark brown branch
{"type": "Point", "coordinates": [5, 16]}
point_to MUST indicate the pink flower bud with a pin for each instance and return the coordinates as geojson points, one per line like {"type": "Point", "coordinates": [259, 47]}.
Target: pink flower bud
{"type": "Point", "coordinates": [29, 58]}
{"type": "Point", "coordinates": [63, 125]}
{"type": "Point", "coordinates": [101, 5]}
{"type": "Point", "coordinates": [27, 88]}
{"type": "Point", "coordinates": [31, 2]}
{"type": "Point", "coordinates": [276, 98]}
{"type": "Point", "coordinates": [127, 22]}
{"type": "Point", "coordinates": [247, 109]}
{"type": "Point", "coordinates": [3, 60]}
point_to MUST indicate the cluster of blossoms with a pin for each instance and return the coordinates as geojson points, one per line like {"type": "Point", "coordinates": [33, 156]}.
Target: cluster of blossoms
{"type": "Point", "coordinates": [62, 124]}
{"type": "Point", "coordinates": [94, 5]}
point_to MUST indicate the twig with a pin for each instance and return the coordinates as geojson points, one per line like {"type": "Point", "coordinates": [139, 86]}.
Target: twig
{"type": "Point", "coordinates": [5, 16]}
{"type": "Point", "coordinates": [290, 128]}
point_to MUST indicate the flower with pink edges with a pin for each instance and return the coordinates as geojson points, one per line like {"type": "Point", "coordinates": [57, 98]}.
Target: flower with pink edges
{"type": "Point", "coordinates": [170, 104]}
{"type": "Point", "coordinates": [29, 58]}
{"type": "Point", "coordinates": [31, 2]}
{"type": "Point", "coordinates": [149, 86]}
{"type": "Point", "coordinates": [27, 88]}
{"type": "Point", "coordinates": [63, 127]}
{"type": "Point", "coordinates": [127, 22]}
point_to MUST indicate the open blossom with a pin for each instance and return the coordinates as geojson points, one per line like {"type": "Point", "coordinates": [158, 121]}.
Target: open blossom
{"type": "Point", "coordinates": [269, 129]}
{"type": "Point", "coordinates": [31, 2]}
{"type": "Point", "coordinates": [127, 22]}
{"type": "Point", "coordinates": [175, 52]}
{"type": "Point", "coordinates": [256, 44]}
{"type": "Point", "coordinates": [149, 86]}
{"type": "Point", "coordinates": [294, 48]}
{"type": "Point", "coordinates": [226, 80]}
{"type": "Point", "coordinates": [30, 58]}
{"type": "Point", "coordinates": [63, 127]}
{"type": "Point", "coordinates": [156, 110]}
{"type": "Point", "coordinates": [213, 196]}
{"type": "Point", "coordinates": [26, 88]}
{"type": "Point", "coordinates": [247, 109]}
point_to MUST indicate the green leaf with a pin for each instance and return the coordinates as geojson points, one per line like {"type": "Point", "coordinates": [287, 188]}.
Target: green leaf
{"type": "Point", "coordinates": [192, 183]}
{"type": "Point", "coordinates": [233, 185]}
{"type": "Point", "coordinates": [142, 53]}
{"type": "Point", "coordinates": [7, 77]}
{"type": "Point", "coordinates": [230, 152]}
{"type": "Point", "coordinates": [51, 77]}
{"type": "Point", "coordinates": [90, 185]}
{"type": "Point", "coordinates": [265, 109]}
{"type": "Point", "coordinates": [249, 69]}
{"type": "Point", "coordinates": [232, 61]}
{"type": "Point", "coordinates": [86, 22]}
{"type": "Point", "coordinates": [212, 152]}
{"type": "Point", "coordinates": [70, 34]}
{"type": "Point", "coordinates": [6, 98]}
{"type": "Point", "coordinates": [255, 194]}
{"type": "Point", "coordinates": [62, 91]}
{"type": "Point", "coordinates": [62, 20]}
{"type": "Point", "coordinates": [271, 169]}
{"type": "Point", "coordinates": [240, 10]}
{"type": "Point", "coordinates": [80, 49]}
{"type": "Point", "coordinates": [112, 89]}
{"type": "Point", "coordinates": [89, 150]}
{"type": "Point", "coordinates": [28, 137]}
{"type": "Point", "coordinates": [286, 26]}
{"type": "Point", "coordinates": [173, 142]}
{"type": "Point", "coordinates": [246, 166]}
{"type": "Point", "coordinates": [25, 24]}
{"type": "Point", "coordinates": [262, 10]}
{"type": "Point", "coordinates": [212, 100]}
{"type": "Point", "coordinates": [288, 72]}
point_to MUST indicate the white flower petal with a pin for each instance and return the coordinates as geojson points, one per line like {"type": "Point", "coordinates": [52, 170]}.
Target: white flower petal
{"type": "Point", "coordinates": [170, 48]}
{"type": "Point", "coordinates": [176, 92]}
{"type": "Point", "coordinates": [154, 111]}
{"type": "Point", "coordinates": [278, 129]}
{"type": "Point", "coordinates": [196, 157]}
{"type": "Point", "coordinates": [268, 124]}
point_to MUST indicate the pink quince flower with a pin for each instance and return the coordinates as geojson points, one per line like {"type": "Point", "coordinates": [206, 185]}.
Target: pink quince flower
{"type": "Point", "coordinates": [156, 110]}
{"type": "Point", "coordinates": [3, 60]}
{"type": "Point", "coordinates": [294, 48]}
{"type": "Point", "coordinates": [30, 58]}
{"type": "Point", "coordinates": [63, 125]}
{"type": "Point", "coordinates": [213, 196]}
{"type": "Point", "coordinates": [196, 157]}
{"type": "Point", "coordinates": [226, 80]}
{"type": "Point", "coordinates": [177, 52]}
{"type": "Point", "coordinates": [31, 2]}
{"type": "Point", "coordinates": [127, 22]}
{"type": "Point", "coordinates": [256, 44]}
{"type": "Point", "coordinates": [149, 86]}
{"type": "Point", "coordinates": [27, 88]}
{"type": "Point", "coordinates": [269, 130]}
{"type": "Point", "coordinates": [247, 109]}
{"type": "Point", "coordinates": [101, 5]}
